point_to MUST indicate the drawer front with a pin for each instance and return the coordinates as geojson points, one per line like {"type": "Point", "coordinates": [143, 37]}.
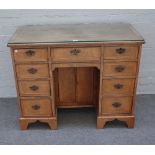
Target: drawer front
{"type": "Point", "coordinates": [120, 69]}
{"type": "Point", "coordinates": [36, 107]}
{"type": "Point", "coordinates": [21, 55]}
{"type": "Point", "coordinates": [116, 105]}
{"type": "Point", "coordinates": [34, 88]}
{"type": "Point", "coordinates": [118, 86]}
{"type": "Point", "coordinates": [123, 52]}
{"type": "Point", "coordinates": [76, 54]}
{"type": "Point", "coordinates": [32, 71]}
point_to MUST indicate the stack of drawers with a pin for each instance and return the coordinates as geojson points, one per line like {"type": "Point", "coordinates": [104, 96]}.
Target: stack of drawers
{"type": "Point", "coordinates": [119, 81]}
{"type": "Point", "coordinates": [33, 82]}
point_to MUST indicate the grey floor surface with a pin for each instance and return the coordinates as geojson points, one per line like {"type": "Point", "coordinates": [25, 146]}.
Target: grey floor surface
{"type": "Point", "coordinates": [78, 126]}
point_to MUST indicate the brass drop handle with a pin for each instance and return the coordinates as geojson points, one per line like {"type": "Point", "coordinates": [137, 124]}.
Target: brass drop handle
{"type": "Point", "coordinates": [116, 104]}
{"type": "Point", "coordinates": [75, 51]}
{"type": "Point", "coordinates": [120, 50]}
{"type": "Point", "coordinates": [36, 107]}
{"type": "Point", "coordinates": [119, 68]}
{"type": "Point", "coordinates": [30, 53]}
{"type": "Point", "coordinates": [32, 70]}
{"type": "Point", "coordinates": [118, 86]}
{"type": "Point", "coordinates": [34, 87]}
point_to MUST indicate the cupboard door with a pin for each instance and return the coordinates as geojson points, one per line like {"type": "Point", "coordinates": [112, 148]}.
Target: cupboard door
{"type": "Point", "coordinates": [84, 86]}
{"type": "Point", "coordinates": [67, 86]}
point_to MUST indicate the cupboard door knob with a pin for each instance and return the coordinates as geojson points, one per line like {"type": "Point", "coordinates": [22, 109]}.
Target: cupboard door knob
{"type": "Point", "coordinates": [34, 87]}
{"type": "Point", "coordinates": [36, 107]}
{"type": "Point", "coordinates": [116, 104]}
{"type": "Point", "coordinates": [32, 70]}
{"type": "Point", "coordinates": [120, 50]}
{"type": "Point", "coordinates": [118, 86]}
{"type": "Point", "coordinates": [119, 68]}
{"type": "Point", "coordinates": [30, 53]}
{"type": "Point", "coordinates": [75, 51]}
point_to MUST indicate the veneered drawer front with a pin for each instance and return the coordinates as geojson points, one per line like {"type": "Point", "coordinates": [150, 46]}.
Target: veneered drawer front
{"type": "Point", "coordinates": [122, 52]}
{"type": "Point", "coordinates": [119, 69]}
{"type": "Point", "coordinates": [22, 55]}
{"type": "Point", "coordinates": [32, 71]}
{"type": "Point", "coordinates": [76, 54]}
{"type": "Point", "coordinates": [36, 107]}
{"type": "Point", "coordinates": [34, 88]}
{"type": "Point", "coordinates": [118, 86]}
{"type": "Point", "coordinates": [116, 105]}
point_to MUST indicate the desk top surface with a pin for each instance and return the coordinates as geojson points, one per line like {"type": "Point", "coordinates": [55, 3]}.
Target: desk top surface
{"type": "Point", "coordinates": [63, 33]}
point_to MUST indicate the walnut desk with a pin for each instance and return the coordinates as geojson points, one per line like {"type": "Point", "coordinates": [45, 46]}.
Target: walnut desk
{"type": "Point", "coordinates": [72, 66]}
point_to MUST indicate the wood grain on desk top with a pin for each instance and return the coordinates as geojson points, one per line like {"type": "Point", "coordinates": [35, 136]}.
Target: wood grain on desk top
{"type": "Point", "coordinates": [105, 32]}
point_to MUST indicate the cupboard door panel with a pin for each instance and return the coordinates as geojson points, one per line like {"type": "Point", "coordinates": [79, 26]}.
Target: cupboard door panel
{"type": "Point", "coordinates": [67, 90]}
{"type": "Point", "coordinates": [84, 86]}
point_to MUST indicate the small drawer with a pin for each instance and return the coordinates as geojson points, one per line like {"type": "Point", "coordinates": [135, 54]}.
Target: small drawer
{"type": "Point", "coordinates": [34, 88]}
{"type": "Point", "coordinates": [121, 52]}
{"type": "Point", "coordinates": [32, 71]}
{"type": "Point", "coordinates": [118, 86]}
{"type": "Point", "coordinates": [36, 107]}
{"type": "Point", "coordinates": [116, 105]}
{"type": "Point", "coordinates": [76, 54]}
{"type": "Point", "coordinates": [120, 69]}
{"type": "Point", "coordinates": [22, 55]}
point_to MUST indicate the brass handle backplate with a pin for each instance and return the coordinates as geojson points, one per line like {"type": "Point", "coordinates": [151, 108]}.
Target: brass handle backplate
{"type": "Point", "coordinates": [120, 50]}
{"type": "Point", "coordinates": [36, 107]}
{"type": "Point", "coordinates": [118, 86]}
{"type": "Point", "coordinates": [119, 68]}
{"type": "Point", "coordinates": [34, 87]}
{"type": "Point", "coordinates": [30, 53]}
{"type": "Point", "coordinates": [116, 104]}
{"type": "Point", "coordinates": [75, 51]}
{"type": "Point", "coordinates": [32, 70]}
